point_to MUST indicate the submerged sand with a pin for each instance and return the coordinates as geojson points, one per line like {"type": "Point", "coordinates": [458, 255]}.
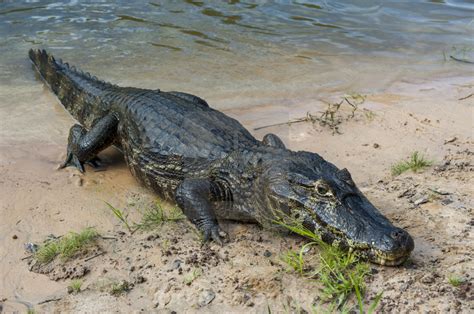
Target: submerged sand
{"type": "Point", "coordinates": [432, 116]}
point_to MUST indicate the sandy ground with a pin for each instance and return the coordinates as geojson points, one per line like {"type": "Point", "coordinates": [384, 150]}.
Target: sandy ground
{"type": "Point", "coordinates": [247, 274]}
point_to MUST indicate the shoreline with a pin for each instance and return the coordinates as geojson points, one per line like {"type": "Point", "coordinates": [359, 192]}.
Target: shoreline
{"type": "Point", "coordinates": [37, 200]}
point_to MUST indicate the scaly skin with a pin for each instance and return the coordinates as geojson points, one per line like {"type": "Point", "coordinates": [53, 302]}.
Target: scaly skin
{"type": "Point", "coordinates": [212, 167]}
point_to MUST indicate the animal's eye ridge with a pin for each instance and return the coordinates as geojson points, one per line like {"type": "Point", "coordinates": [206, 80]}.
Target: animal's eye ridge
{"type": "Point", "coordinates": [344, 175]}
{"type": "Point", "coordinates": [302, 182]}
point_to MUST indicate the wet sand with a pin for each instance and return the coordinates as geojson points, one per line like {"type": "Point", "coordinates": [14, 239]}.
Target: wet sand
{"type": "Point", "coordinates": [420, 115]}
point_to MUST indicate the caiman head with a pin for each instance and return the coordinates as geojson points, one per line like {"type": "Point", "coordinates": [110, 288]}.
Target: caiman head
{"type": "Point", "coordinates": [326, 200]}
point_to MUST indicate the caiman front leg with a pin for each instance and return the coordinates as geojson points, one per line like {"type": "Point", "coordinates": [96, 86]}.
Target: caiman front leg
{"type": "Point", "coordinates": [83, 145]}
{"type": "Point", "coordinates": [194, 197]}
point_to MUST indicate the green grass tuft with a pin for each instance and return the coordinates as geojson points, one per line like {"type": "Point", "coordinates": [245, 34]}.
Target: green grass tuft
{"type": "Point", "coordinates": [297, 261]}
{"type": "Point", "coordinates": [157, 215]}
{"type": "Point", "coordinates": [75, 286]}
{"type": "Point", "coordinates": [75, 242]}
{"type": "Point", "coordinates": [191, 276]}
{"type": "Point", "coordinates": [67, 246]}
{"type": "Point", "coordinates": [342, 274]}
{"type": "Point", "coordinates": [152, 217]}
{"type": "Point", "coordinates": [47, 252]}
{"type": "Point", "coordinates": [121, 216]}
{"type": "Point", "coordinates": [415, 163]}
{"type": "Point", "coordinates": [118, 288]}
{"type": "Point", "coordinates": [455, 281]}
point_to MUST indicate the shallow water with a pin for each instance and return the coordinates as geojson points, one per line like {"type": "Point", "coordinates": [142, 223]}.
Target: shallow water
{"type": "Point", "coordinates": [220, 47]}
{"type": "Point", "coordinates": [234, 54]}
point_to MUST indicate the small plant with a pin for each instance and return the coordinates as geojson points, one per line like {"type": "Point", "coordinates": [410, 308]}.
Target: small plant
{"type": "Point", "coordinates": [165, 244]}
{"type": "Point", "coordinates": [118, 288]}
{"type": "Point", "coordinates": [332, 117]}
{"type": "Point", "coordinates": [66, 246]}
{"type": "Point", "coordinates": [293, 260]}
{"type": "Point", "coordinates": [342, 274]}
{"type": "Point", "coordinates": [152, 217]}
{"type": "Point", "coordinates": [369, 114]}
{"type": "Point", "coordinates": [296, 259]}
{"type": "Point", "coordinates": [415, 163]}
{"type": "Point", "coordinates": [455, 281]}
{"type": "Point", "coordinates": [74, 242]}
{"type": "Point", "coordinates": [75, 286]}
{"type": "Point", "coordinates": [174, 213]}
{"type": "Point", "coordinates": [47, 252]}
{"type": "Point", "coordinates": [191, 276]}
{"type": "Point", "coordinates": [156, 215]}
{"type": "Point", "coordinates": [121, 216]}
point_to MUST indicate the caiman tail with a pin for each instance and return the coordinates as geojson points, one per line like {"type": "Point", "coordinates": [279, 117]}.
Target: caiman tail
{"type": "Point", "coordinates": [79, 92]}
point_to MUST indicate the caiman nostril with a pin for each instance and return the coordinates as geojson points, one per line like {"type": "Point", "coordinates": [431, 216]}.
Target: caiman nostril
{"type": "Point", "coordinates": [398, 234]}
{"type": "Point", "coordinates": [402, 239]}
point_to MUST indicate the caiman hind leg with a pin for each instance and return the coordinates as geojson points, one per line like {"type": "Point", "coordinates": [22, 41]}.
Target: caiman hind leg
{"type": "Point", "coordinates": [194, 197]}
{"type": "Point", "coordinates": [83, 145]}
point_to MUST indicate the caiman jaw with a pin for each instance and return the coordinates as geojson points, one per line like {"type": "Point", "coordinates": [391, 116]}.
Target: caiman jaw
{"type": "Point", "coordinates": [381, 244]}
{"type": "Point", "coordinates": [379, 257]}
{"type": "Point", "coordinates": [373, 254]}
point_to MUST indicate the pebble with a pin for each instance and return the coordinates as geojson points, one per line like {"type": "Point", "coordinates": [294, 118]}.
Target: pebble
{"type": "Point", "coordinates": [422, 200]}
{"type": "Point", "coordinates": [428, 279]}
{"type": "Point", "coordinates": [206, 297]}
{"type": "Point", "coordinates": [78, 182]}
{"type": "Point", "coordinates": [450, 140]}
{"type": "Point", "coordinates": [446, 201]}
{"type": "Point", "coordinates": [139, 279]}
{"type": "Point", "coordinates": [31, 247]}
{"type": "Point", "coordinates": [176, 264]}
{"type": "Point", "coordinates": [267, 253]}
{"type": "Point", "coordinates": [440, 191]}
{"type": "Point", "coordinates": [161, 299]}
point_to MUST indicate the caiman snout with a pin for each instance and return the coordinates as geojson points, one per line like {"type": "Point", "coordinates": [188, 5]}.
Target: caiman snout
{"type": "Point", "coordinates": [393, 248]}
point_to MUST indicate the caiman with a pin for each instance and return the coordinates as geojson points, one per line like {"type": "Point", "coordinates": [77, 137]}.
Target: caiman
{"type": "Point", "coordinates": [212, 167]}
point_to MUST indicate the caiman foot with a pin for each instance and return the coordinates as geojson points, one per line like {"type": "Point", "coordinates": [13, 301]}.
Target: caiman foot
{"type": "Point", "coordinates": [193, 197]}
{"type": "Point", "coordinates": [83, 146]}
{"type": "Point", "coordinates": [216, 234]}
{"type": "Point", "coordinates": [72, 160]}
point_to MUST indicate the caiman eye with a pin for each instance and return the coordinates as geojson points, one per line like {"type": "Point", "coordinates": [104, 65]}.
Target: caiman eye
{"type": "Point", "coordinates": [322, 189]}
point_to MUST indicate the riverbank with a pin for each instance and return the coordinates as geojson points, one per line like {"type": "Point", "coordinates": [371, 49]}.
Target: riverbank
{"type": "Point", "coordinates": [434, 117]}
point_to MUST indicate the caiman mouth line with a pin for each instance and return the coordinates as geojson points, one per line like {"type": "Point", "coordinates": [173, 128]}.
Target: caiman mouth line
{"type": "Point", "coordinates": [372, 254]}
{"type": "Point", "coordinates": [382, 258]}
{"type": "Point", "coordinates": [378, 256]}
{"type": "Point", "coordinates": [363, 249]}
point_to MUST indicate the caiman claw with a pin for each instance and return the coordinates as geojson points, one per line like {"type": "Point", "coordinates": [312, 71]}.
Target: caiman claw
{"type": "Point", "coordinates": [72, 160]}
{"type": "Point", "coordinates": [215, 234]}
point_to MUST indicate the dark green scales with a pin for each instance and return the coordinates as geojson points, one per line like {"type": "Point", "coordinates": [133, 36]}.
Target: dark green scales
{"type": "Point", "coordinates": [212, 167]}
